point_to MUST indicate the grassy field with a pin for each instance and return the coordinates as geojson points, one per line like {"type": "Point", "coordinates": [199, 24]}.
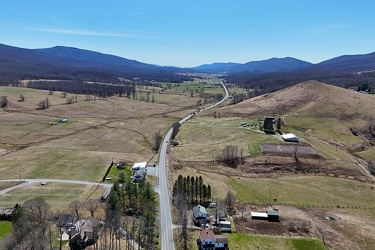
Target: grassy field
{"type": "Point", "coordinates": [246, 241]}
{"type": "Point", "coordinates": [295, 189]}
{"type": "Point", "coordinates": [97, 132]}
{"type": "Point", "coordinates": [5, 228]}
{"type": "Point", "coordinates": [34, 145]}
{"type": "Point", "coordinates": [58, 195]}
{"type": "Point", "coordinates": [300, 190]}
{"type": "Point", "coordinates": [205, 137]}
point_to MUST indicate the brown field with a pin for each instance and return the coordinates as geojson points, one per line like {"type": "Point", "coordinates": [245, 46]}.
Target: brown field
{"type": "Point", "coordinates": [58, 195]}
{"type": "Point", "coordinates": [34, 144]}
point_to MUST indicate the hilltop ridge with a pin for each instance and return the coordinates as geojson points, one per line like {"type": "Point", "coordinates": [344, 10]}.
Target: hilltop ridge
{"type": "Point", "coordinates": [311, 97]}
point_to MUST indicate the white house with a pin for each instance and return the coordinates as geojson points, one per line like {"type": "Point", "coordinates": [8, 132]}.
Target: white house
{"type": "Point", "coordinates": [199, 214]}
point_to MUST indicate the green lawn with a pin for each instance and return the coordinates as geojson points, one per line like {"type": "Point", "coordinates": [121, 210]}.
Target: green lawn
{"type": "Point", "coordinates": [5, 228]}
{"type": "Point", "coordinates": [114, 173]}
{"type": "Point", "coordinates": [240, 241]}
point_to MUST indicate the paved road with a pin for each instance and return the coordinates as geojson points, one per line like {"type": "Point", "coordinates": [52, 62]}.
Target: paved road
{"type": "Point", "coordinates": [166, 226]}
{"type": "Point", "coordinates": [26, 182]}
{"type": "Point", "coordinates": [165, 206]}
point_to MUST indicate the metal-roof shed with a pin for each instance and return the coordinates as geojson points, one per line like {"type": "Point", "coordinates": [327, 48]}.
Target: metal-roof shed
{"type": "Point", "coordinates": [290, 137]}
{"type": "Point", "coordinates": [257, 215]}
{"type": "Point", "coordinates": [273, 216]}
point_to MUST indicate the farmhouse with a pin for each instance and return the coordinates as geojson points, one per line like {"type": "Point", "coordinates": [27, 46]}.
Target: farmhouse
{"type": "Point", "coordinates": [209, 241]}
{"type": "Point", "coordinates": [199, 214]}
{"type": "Point", "coordinates": [289, 137]}
{"type": "Point", "coordinates": [85, 233]}
{"type": "Point", "coordinates": [206, 240]}
{"type": "Point", "coordinates": [139, 175]}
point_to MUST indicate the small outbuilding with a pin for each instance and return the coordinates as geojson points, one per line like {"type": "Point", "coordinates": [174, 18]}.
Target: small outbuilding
{"type": "Point", "coordinates": [273, 216]}
{"type": "Point", "coordinates": [259, 216]}
{"type": "Point", "coordinates": [139, 166]}
{"type": "Point", "coordinates": [221, 242]}
{"type": "Point", "coordinates": [289, 137]}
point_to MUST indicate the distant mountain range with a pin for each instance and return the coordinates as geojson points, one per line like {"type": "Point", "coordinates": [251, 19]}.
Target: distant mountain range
{"type": "Point", "coordinates": [72, 63]}
{"type": "Point", "coordinates": [78, 64]}
{"type": "Point", "coordinates": [270, 65]}
{"type": "Point", "coordinates": [352, 63]}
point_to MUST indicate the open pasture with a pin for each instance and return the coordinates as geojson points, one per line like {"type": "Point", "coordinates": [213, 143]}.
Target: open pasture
{"type": "Point", "coordinates": [204, 138]}
{"type": "Point", "coordinates": [298, 190]}
{"type": "Point", "coordinates": [34, 144]}
{"type": "Point", "coordinates": [58, 195]}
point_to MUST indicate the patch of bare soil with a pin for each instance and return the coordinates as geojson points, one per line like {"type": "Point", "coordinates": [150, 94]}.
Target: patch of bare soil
{"type": "Point", "coordinates": [336, 229]}
{"type": "Point", "coordinates": [297, 225]}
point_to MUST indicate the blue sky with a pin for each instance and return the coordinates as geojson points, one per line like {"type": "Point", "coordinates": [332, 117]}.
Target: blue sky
{"type": "Point", "coordinates": [191, 33]}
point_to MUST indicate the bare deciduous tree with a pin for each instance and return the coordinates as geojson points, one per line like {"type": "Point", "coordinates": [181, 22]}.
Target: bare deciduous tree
{"type": "Point", "coordinates": [158, 140]}
{"type": "Point", "coordinates": [74, 208]}
{"type": "Point", "coordinates": [30, 226]}
{"type": "Point", "coordinates": [91, 205]}
{"type": "Point", "coordinates": [230, 156]}
{"type": "Point", "coordinates": [63, 94]}
{"type": "Point", "coordinates": [230, 199]}
{"type": "Point", "coordinates": [3, 102]}
{"type": "Point", "coordinates": [70, 100]}
{"type": "Point", "coordinates": [43, 104]}
{"type": "Point", "coordinates": [21, 98]}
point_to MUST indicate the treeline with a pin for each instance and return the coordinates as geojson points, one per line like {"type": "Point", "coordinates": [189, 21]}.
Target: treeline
{"type": "Point", "coordinates": [192, 190]}
{"type": "Point", "coordinates": [137, 200]}
{"type": "Point", "coordinates": [271, 82]}
{"type": "Point", "coordinates": [82, 88]}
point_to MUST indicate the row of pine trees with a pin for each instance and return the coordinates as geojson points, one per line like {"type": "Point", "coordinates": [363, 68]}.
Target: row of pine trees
{"type": "Point", "coordinates": [193, 190]}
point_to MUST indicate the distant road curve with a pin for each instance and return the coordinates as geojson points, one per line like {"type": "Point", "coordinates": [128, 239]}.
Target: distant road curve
{"type": "Point", "coordinates": [26, 182]}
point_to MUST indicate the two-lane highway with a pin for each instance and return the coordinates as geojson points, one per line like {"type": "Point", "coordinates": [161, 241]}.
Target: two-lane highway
{"type": "Point", "coordinates": [167, 242]}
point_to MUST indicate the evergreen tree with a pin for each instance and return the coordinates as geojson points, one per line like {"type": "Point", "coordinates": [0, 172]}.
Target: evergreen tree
{"type": "Point", "coordinates": [200, 188]}
{"type": "Point", "coordinates": [192, 190]}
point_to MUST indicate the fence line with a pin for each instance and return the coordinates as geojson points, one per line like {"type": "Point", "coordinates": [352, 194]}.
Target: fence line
{"type": "Point", "coordinates": [328, 206]}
